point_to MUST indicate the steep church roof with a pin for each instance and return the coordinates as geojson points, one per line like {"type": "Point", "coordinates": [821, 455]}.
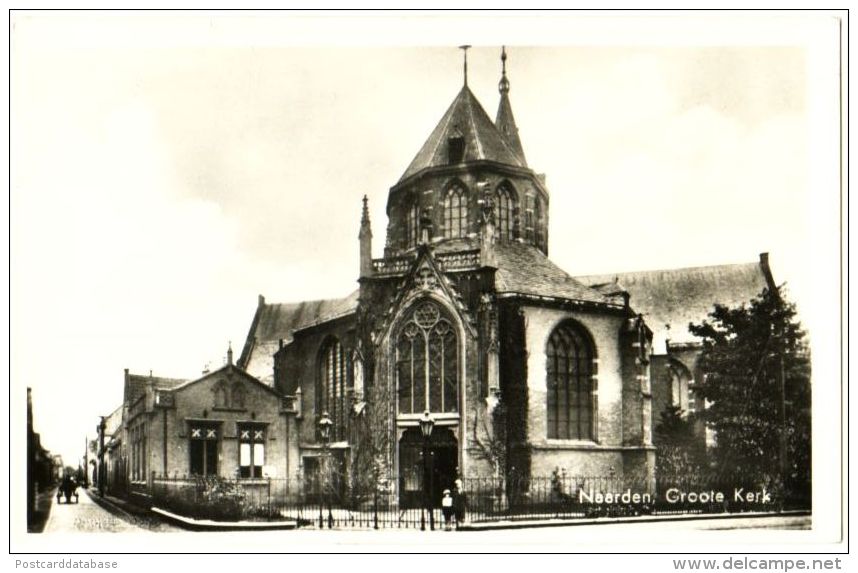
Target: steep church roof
{"type": "Point", "coordinates": [524, 269]}
{"type": "Point", "coordinates": [275, 322]}
{"type": "Point", "coordinates": [465, 118]}
{"type": "Point", "coordinates": [677, 297]}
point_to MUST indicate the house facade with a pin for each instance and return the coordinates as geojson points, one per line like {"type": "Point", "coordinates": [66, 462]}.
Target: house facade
{"type": "Point", "coordinates": [226, 423]}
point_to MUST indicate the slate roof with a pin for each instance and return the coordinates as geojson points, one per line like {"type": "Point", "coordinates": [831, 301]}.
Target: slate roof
{"type": "Point", "coordinates": [524, 269]}
{"type": "Point", "coordinates": [135, 385]}
{"type": "Point", "coordinates": [279, 321]}
{"type": "Point", "coordinates": [226, 369]}
{"type": "Point", "coordinates": [505, 122]}
{"type": "Point", "coordinates": [113, 422]}
{"type": "Point", "coordinates": [680, 296]}
{"type": "Point", "coordinates": [483, 141]}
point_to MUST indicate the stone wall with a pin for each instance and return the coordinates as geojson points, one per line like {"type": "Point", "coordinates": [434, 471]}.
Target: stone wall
{"type": "Point", "coordinates": [429, 191]}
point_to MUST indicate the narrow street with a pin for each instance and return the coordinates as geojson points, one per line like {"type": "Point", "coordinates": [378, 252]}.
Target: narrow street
{"type": "Point", "coordinates": [88, 516]}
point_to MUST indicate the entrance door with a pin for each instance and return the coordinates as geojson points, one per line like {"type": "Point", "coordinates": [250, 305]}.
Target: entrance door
{"type": "Point", "coordinates": [437, 473]}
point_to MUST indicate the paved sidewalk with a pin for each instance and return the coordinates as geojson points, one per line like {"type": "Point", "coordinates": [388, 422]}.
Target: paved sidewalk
{"type": "Point", "coordinates": [85, 516]}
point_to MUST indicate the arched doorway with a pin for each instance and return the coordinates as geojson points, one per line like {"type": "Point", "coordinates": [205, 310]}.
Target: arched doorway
{"type": "Point", "coordinates": [441, 466]}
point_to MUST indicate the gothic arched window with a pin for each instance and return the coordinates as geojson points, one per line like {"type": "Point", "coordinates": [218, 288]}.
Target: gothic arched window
{"type": "Point", "coordinates": [427, 362]}
{"type": "Point", "coordinates": [237, 396]}
{"type": "Point", "coordinates": [680, 392]}
{"type": "Point", "coordinates": [540, 226]}
{"type": "Point", "coordinates": [412, 225]}
{"type": "Point", "coordinates": [455, 212]}
{"type": "Point", "coordinates": [569, 380]}
{"type": "Point", "coordinates": [505, 212]}
{"type": "Point", "coordinates": [221, 397]}
{"type": "Point", "coordinates": [529, 218]}
{"type": "Point", "coordinates": [332, 389]}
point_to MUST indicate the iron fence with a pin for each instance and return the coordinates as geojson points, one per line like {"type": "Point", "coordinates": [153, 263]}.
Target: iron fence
{"type": "Point", "coordinates": [311, 503]}
{"type": "Point", "coordinates": [569, 497]}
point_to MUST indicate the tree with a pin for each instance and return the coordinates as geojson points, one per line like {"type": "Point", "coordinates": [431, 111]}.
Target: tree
{"type": "Point", "coordinates": [756, 384]}
{"type": "Point", "coordinates": [371, 468]}
{"type": "Point", "coordinates": [680, 450]}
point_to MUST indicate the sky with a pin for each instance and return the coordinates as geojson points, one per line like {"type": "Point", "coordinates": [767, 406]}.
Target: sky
{"type": "Point", "coordinates": [168, 168]}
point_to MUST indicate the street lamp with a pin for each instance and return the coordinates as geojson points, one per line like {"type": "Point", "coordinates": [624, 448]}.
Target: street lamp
{"type": "Point", "coordinates": [427, 423]}
{"type": "Point", "coordinates": [325, 425]}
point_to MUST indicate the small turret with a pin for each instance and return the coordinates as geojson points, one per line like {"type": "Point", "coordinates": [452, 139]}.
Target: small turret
{"type": "Point", "coordinates": [365, 238]}
{"type": "Point", "coordinates": [505, 121]}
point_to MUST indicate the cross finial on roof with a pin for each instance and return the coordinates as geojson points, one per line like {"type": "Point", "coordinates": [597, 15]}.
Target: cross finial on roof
{"type": "Point", "coordinates": [464, 49]}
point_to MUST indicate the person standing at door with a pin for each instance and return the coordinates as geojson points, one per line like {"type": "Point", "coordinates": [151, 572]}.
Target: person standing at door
{"type": "Point", "coordinates": [459, 503]}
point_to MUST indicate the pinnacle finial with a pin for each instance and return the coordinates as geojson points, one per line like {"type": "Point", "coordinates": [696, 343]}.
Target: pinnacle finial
{"type": "Point", "coordinates": [364, 217]}
{"type": "Point", "coordinates": [503, 85]}
{"type": "Point", "coordinates": [464, 49]}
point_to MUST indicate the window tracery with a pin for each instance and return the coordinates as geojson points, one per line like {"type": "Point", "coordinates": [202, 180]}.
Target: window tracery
{"type": "Point", "coordinates": [427, 360]}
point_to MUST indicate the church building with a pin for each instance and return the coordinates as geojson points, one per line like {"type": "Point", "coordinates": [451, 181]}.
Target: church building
{"type": "Point", "coordinates": [466, 328]}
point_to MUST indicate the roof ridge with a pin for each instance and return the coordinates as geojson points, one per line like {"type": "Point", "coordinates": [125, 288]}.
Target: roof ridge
{"type": "Point", "coordinates": [480, 153]}
{"type": "Point", "coordinates": [300, 302]}
{"type": "Point", "coordinates": [674, 269]}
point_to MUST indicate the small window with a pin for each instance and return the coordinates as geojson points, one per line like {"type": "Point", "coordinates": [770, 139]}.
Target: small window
{"type": "Point", "coordinates": [251, 450]}
{"type": "Point", "coordinates": [540, 224]}
{"type": "Point", "coordinates": [529, 218]}
{"type": "Point", "coordinates": [204, 446]}
{"type": "Point", "coordinates": [456, 149]}
{"type": "Point", "coordinates": [504, 211]}
{"type": "Point", "coordinates": [412, 225]}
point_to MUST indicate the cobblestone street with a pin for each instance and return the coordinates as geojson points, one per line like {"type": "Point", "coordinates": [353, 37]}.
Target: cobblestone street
{"type": "Point", "coordinates": [88, 516]}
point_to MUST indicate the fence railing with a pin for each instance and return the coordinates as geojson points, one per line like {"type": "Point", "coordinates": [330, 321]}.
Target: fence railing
{"type": "Point", "coordinates": [310, 503]}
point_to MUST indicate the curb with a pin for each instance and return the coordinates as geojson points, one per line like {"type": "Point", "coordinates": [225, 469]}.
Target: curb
{"type": "Point", "coordinates": [210, 525]}
{"type": "Point", "coordinates": [532, 524]}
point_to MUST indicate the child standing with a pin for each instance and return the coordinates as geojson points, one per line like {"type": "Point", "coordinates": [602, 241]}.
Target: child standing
{"type": "Point", "coordinates": [447, 509]}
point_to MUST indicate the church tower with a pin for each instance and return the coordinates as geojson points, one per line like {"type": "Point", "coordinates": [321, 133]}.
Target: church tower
{"type": "Point", "coordinates": [470, 172]}
{"type": "Point", "coordinates": [466, 327]}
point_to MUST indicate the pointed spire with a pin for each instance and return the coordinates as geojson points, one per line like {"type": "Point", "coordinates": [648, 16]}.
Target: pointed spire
{"type": "Point", "coordinates": [365, 226]}
{"type": "Point", "coordinates": [464, 49]}
{"type": "Point", "coordinates": [505, 121]}
{"type": "Point", "coordinates": [503, 84]}
{"type": "Point", "coordinates": [365, 238]}
{"type": "Point", "coordinates": [229, 354]}
{"type": "Point", "coordinates": [364, 216]}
